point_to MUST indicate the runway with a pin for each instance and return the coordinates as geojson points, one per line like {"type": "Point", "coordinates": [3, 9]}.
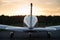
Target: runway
{"type": "Point", "coordinates": [26, 36]}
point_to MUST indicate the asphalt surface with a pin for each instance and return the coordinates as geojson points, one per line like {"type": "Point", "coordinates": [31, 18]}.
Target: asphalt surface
{"type": "Point", "coordinates": [7, 35]}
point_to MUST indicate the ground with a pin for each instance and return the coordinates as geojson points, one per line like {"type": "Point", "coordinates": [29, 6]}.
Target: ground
{"type": "Point", "coordinates": [25, 36]}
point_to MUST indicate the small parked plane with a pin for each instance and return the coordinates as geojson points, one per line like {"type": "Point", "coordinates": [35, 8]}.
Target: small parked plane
{"type": "Point", "coordinates": [30, 21]}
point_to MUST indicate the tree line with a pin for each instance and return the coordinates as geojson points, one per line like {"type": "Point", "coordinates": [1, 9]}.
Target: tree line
{"type": "Point", "coordinates": [18, 20]}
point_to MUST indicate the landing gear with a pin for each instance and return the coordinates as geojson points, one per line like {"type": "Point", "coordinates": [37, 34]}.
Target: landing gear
{"type": "Point", "coordinates": [29, 35]}
{"type": "Point", "coordinates": [49, 35]}
{"type": "Point", "coordinates": [11, 34]}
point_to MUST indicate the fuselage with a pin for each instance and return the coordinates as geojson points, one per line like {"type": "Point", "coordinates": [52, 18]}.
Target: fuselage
{"type": "Point", "coordinates": [28, 22]}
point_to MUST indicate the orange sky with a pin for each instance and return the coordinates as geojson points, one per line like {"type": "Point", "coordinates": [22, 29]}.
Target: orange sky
{"type": "Point", "coordinates": [22, 7]}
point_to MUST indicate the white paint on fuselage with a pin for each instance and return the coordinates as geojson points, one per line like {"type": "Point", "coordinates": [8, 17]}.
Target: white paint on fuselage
{"type": "Point", "coordinates": [27, 20]}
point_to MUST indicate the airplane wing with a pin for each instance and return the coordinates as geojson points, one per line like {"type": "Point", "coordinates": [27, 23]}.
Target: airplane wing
{"type": "Point", "coordinates": [45, 29]}
{"type": "Point", "coordinates": [57, 27]}
{"type": "Point", "coordinates": [22, 29]}
{"type": "Point", "coordinates": [13, 28]}
{"type": "Point", "coordinates": [48, 28]}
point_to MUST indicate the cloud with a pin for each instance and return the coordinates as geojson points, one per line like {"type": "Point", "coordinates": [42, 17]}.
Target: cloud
{"type": "Point", "coordinates": [1, 3]}
{"type": "Point", "coordinates": [47, 4]}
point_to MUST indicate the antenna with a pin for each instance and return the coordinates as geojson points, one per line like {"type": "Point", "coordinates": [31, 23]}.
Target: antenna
{"type": "Point", "coordinates": [31, 17]}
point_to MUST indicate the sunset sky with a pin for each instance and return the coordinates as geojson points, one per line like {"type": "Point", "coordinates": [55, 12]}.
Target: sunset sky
{"type": "Point", "coordinates": [22, 7]}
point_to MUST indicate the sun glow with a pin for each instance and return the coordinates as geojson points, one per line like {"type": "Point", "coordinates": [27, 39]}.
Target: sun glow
{"type": "Point", "coordinates": [26, 11]}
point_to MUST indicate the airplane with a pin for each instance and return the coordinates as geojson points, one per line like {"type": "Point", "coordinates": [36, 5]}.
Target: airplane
{"type": "Point", "coordinates": [30, 21]}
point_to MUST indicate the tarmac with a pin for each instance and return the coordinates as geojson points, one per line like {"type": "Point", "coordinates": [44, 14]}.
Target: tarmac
{"type": "Point", "coordinates": [8, 35]}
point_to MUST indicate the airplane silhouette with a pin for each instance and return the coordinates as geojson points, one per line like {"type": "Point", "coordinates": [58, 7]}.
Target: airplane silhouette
{"type": "Point", "coordinates": [30, 21]}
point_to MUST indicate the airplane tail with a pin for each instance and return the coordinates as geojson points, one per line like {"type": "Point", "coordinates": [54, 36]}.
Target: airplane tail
{"type": "Point", "coordinates": [31, 20]}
